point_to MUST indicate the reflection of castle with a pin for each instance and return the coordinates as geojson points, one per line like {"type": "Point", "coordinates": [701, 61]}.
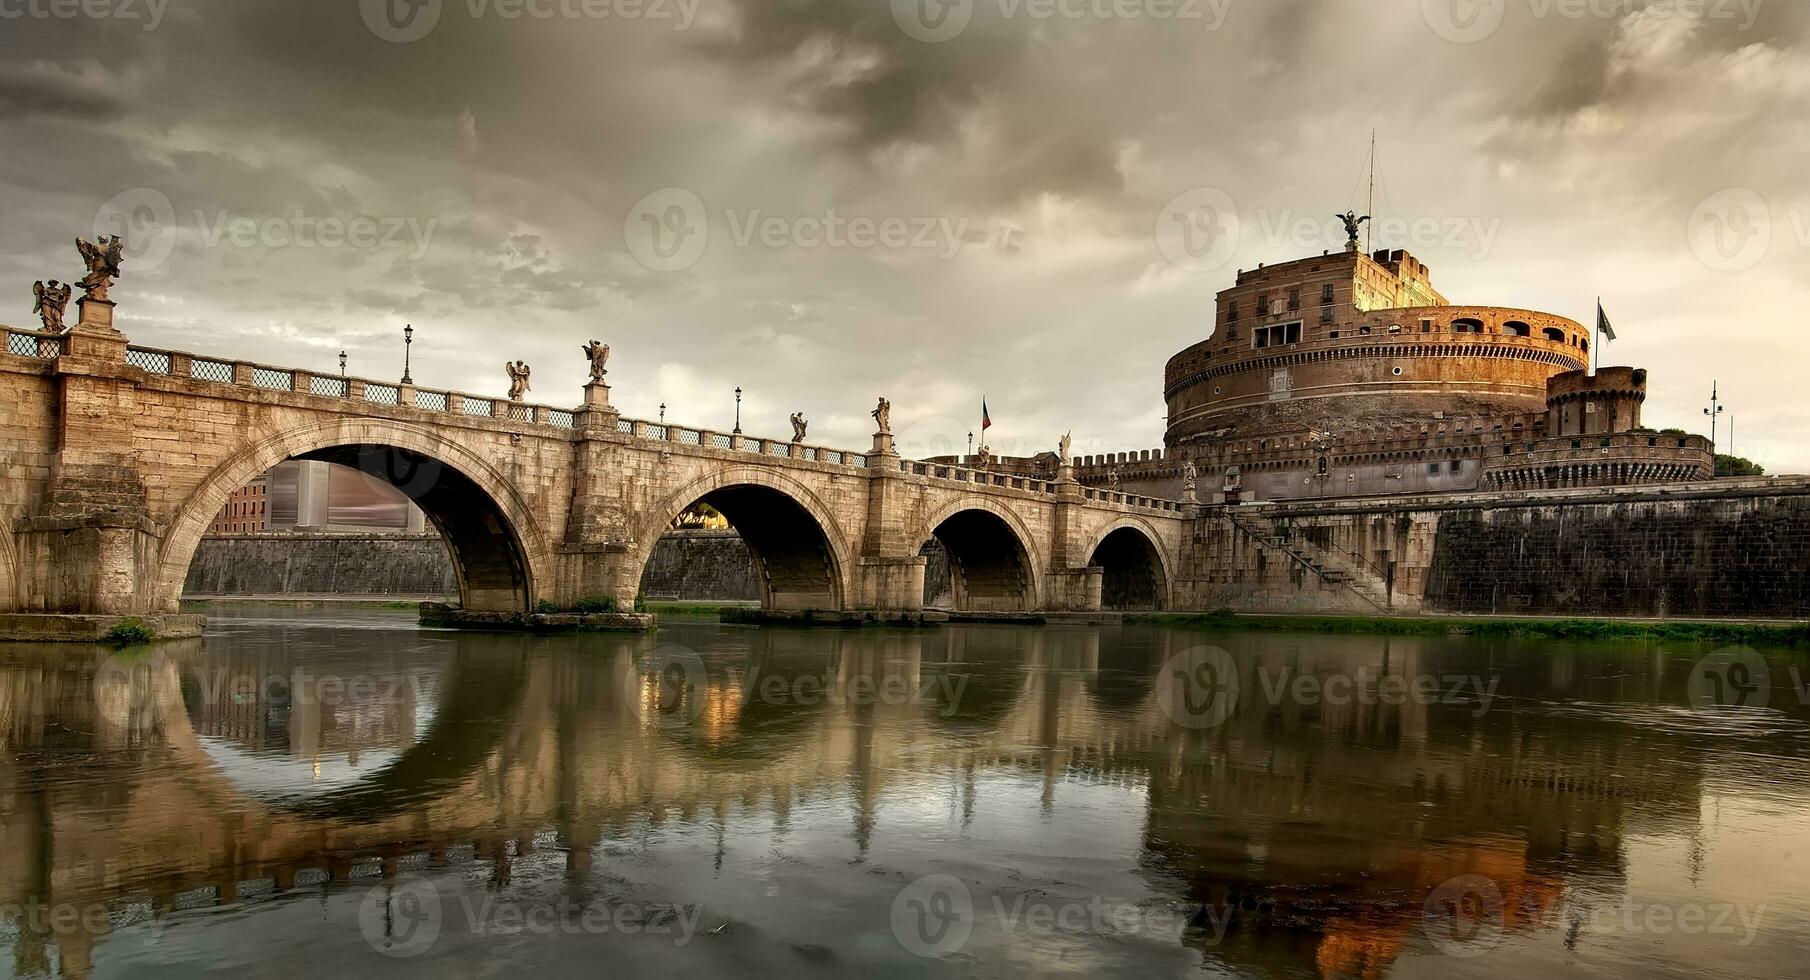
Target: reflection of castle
{"type": "Point", "coordinates": [1346, 374]}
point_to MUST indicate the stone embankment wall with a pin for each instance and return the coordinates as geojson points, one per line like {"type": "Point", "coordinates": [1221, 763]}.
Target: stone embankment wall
{"type": "Point", "coordinates": [1729, 548]}
{"type": "Point", "coordinates": [690, 565]}
{"type": "Point", "coordinates": [315, 563]}
{"type": "Point", "coordinates": [702, 566]}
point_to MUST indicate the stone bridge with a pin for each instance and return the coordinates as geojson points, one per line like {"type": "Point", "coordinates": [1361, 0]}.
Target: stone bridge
{"type": "Point", "coordinates": [117, 457]}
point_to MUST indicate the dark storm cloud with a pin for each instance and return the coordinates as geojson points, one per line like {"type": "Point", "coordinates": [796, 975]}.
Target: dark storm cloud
{"type": "Point", "coordinates": [518, 148]}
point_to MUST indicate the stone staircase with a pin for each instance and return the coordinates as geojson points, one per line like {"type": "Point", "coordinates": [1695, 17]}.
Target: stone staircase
{"type": "Point", "coordinates": [1332, 569]}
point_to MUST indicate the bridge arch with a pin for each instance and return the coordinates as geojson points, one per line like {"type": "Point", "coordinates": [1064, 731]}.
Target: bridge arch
{"type": "Point", "coordinates": [1137, 572]}
{"type": "Point", "coordinates": [801, 555]}
{"type": "Point", "coordinates": [498, 546]}
{"type": "Point", "coordinates": [994, 562]}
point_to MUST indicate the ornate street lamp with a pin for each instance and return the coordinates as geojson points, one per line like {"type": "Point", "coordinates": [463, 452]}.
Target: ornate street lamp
{"type": "Point", "coordinates": [342, 363]}
{"type": "Point", "coordinates": [662, 413]}
{"type": "Point", "coordinates": [738, 410]}
{"type": "Point", "coordinates": [408, 343]}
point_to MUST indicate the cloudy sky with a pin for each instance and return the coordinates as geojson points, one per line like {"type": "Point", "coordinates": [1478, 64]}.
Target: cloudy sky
{"type": "Point", "coordinates": [823, 201]}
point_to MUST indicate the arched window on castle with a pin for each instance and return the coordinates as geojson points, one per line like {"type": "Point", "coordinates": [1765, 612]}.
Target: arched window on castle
{"type": "Point", "coordinates": [1555, 335]}
{"type": "Point", "coordinates": [1467, 325]}
{"type": "Point", "coordinates": [1515, 328]}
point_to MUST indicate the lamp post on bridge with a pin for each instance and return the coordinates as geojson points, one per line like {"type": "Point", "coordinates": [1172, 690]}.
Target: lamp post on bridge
{"type": "Point", "coordinates": [342, 363]}
{"type": "Point", "coordinates": [1714, 411]}
{"type": "Point", "coordinates": [408, 343]}
{"type": "Point", "coordinates": [662, 413]}
{"type": "Point", "coordinates": [738, 410]}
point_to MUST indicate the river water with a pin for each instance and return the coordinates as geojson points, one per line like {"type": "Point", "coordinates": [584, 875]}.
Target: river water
{"type": "Point", "coordinates": [341, 793]}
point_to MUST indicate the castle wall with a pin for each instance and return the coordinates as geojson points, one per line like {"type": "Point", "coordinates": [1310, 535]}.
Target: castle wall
{"type": "Point", "coordinates": [1713, 549]}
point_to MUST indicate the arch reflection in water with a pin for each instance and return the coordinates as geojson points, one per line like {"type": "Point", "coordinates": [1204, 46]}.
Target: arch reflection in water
{"type": "Point", "coordinates": [835, 767]}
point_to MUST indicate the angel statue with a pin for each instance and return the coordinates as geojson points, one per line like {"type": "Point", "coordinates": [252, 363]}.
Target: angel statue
{"type": "Point", "coordinates": [1352, 222]}
{"type": "Point", "coordinates": [1062, 448]}
{"type": "Point", "coordinates": [518, 379]}
{"type": "Point", "coordinates": [883, 415]}
{"type": "Point", "coordinates": [52, 299]}
{"type": "Point", "coordinates": [1112, 479]}
{"type": "Point", "coordinates": [798, 426]}
{"type": "Point", "coordinates": [599, 353]}
{"type": "Point", "coordinates": [1190, 477]}
{"type": "Point", "coordinates": [102, 260]}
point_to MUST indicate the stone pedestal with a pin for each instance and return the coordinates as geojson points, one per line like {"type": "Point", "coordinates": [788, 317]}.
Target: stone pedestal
{"type": "Point", "coordinates": [94, 335]}
{"type": "Point", "coordinates": [883, 445]}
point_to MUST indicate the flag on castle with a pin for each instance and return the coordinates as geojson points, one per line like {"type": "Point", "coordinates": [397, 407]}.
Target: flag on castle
{"type": "Point", "coordinates": [1602, 322]}
{"type": "Point", "coordinates": [986, 421]}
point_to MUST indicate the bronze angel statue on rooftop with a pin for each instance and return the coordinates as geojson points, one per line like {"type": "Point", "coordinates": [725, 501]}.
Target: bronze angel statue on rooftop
{"type": "Point", "coordinates": [102, 259]}
{"type": "Point", "coordinates": [1352, 223]}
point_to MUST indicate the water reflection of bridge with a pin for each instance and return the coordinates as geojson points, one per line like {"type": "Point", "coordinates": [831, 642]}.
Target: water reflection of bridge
{"type": "Point", "coordinates": [200, 792]}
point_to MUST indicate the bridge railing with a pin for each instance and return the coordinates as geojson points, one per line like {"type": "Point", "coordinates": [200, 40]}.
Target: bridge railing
{"type": "Point", "coordinates": [1131, 500]}
{"type": "Point", "coordinates": [735, 442]}
{"type": "Point", "coordinates": [977, 477]}
{"type": "Point", "coordinates": [39, 344]}
{"type": "Point", "coordinates": [177, 364]}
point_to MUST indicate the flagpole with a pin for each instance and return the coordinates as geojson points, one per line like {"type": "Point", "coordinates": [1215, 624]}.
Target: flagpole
{"type": "Point", "coordinates": [1596, 344]}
